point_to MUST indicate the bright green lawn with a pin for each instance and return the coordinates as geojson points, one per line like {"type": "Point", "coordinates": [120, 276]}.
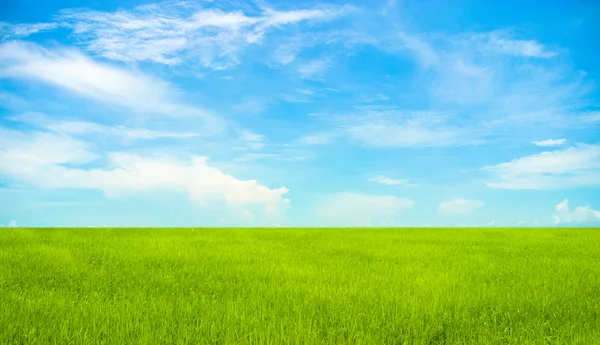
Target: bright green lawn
{"type": "Point", "coordinates": [299, 286]}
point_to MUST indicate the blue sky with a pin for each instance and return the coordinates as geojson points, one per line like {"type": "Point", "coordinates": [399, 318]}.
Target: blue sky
{"type": "Point", "coordinates": [299, 113]}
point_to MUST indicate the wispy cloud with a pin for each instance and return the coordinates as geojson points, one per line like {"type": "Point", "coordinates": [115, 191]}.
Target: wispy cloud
{"type": "Point", "coordinates": [283, 155]}
{"type": "Point", "coordinates": [589, 117]}
{"type": "Point", "coordinates": [387, 127]}
{"type": "Point", "coordinates": [250, 157]}
{"type": "Point", "coordinates": [573, 167]}
{"type": "Point", "coordinates": [85, 127]}
{"type": "Point", "coordinates": [252, 105]}
{"type": "Point", "coordinates": [357, 209]}
{"type": "Point", "coordinates": [459, 207]}
{"type": "Point", "coordinates": [550, 142]}
{"type": "Point", "coordinates": [424, 52]}
{"type": "Point", "coordinates": [317, 138]}
{"type": "Point", "coordinates": [294, 98]}
{"type": "Point", "coordinates": [314, 68]}
{"type": "Point", "coordinates": [581, 214]}
{"type": "Point", "coordinates": [170, 32]}
{"type": "Point", "coordinates": [71, 70]}
{"type": "Point", "coordinates": [251, 141]}
{"type": "Point", "coordinates": [12, 31]}
{"type": "Point", "coordinates": [504, 79]}
{"type": "Point", "coordinates": [502, 42]}
{"type": "Point", "coordinates": [302, 96]}
{"type": "Point", "coordinates": [380, 127]}
{"type": "Point", "coordinates": [393, 182]}
{"type": "Point", "coordinates": [374, 98]}
{"type": "Point", "coordinates": [287, 53]}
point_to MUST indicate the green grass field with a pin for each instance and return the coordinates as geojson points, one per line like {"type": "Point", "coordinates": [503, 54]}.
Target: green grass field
{"type": "Point", "coordinates": [299, 286]}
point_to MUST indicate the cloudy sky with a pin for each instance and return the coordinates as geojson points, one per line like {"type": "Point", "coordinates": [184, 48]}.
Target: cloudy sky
{"type": "Point", "coordinates": [299, 113]}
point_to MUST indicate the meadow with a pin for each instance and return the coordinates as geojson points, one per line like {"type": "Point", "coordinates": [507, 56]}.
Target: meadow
{"type": "Point", "coordinates": [299, 286]}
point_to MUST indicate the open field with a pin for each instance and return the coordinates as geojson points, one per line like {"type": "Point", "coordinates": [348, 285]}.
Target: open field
{"type": "Point", "coordinates": [300, 286]}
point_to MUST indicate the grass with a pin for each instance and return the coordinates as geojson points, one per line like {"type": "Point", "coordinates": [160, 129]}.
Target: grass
{"type": "Point", "coordinates": [299, 286]}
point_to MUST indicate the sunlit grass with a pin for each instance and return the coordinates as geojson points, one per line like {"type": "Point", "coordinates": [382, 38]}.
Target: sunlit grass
{"type": "Point", "coordinates": [299, 286]}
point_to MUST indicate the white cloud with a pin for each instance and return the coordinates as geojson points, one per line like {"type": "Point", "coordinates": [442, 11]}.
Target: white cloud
{"type": "Point", "coordinates": [39, 159]}
{"type": "Point", "coordinates": [301, 96]}
{"type": "Point", "coordinates": [81, 127]}
{"type": "Point", "coordinates": [397, 128]}
{"type": "Point", "coordinates": [12, 31]}
{"type": "Point", "coordinates": [296, 98]}
{"type": "Point", "coordinates": [356, 209]}
{"type": "Point", "coordinates": [573, 167]}
{"type": "Point", "coordinates": [550, 142]}
{"type": "Point", "coordinates": [492, 74]}
{"type": "Point", "coordinates": [581, 214]}
{"type": "Point", "coordinates": [282, 155]}
{"type": "Point", "coordinates": [316, 139]}
{"type": "Point", "coordinates": [591, 117]}
{"type": "Point", "coordinates": [382, 135]}
{"type": "Point", "coordinates": [386, 180]}
{"type": "Point", "coordinates": [533, 223]}
{"type": "Point", "coordinates": [373, 98]}
{"type": "Point", "coordinates": [422, 50]}
{"type": "Point", "coordinates": [307, 92]}
{"type": "Point", "coordinates": [459, 207]}
{"type": "Point", "coordinates": [172, 32]}
{"type": "Point", "coordinates": [377, 126]}
{"type": "Point", "coordinates": [251, 105]}
{"type": "Point", "coordinates": [31, 152]}
{"type": "Point", "coordinates": [501, 42]}
{"type": "Point", "coordinates": [251, 140]}
{"type": "Point", "coordinates": [249, 157]}
{"type": "Point", "coordinates": [12, 224]}
{"type": "Point", "coordinates": [77, 73]}
{"type": "Point", "coordinates": [448, 71]}
{"type": "Point", "coordinates": [278, 18]}
{"type": "Point", "coordinates": [393, 182]}
{"type": "Point", "coordinates": [85, 127]}
{"type": "Point", "coordinates": [314, 68]}
{"type": "Point", "coordinates": [286, 53]}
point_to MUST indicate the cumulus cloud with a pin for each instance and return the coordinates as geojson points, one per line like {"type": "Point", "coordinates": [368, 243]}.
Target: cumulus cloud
{"type": "Point", "coordinates": [355, 209]}
{"type": "Point", "coordinates": [575, 166]}
{"type": "Point", "coordinates": [581, 214]}
{"type": "Point", "coordinates": [53, 161]}
{"type": "Point", "coordinates": [459, 207]}
{"type": "Point", "coordinates": [12, 224]}
{"type": "Point", "coordinates": [550, 142]}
